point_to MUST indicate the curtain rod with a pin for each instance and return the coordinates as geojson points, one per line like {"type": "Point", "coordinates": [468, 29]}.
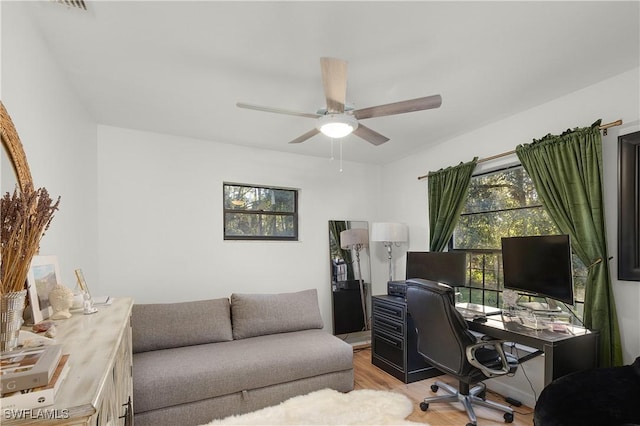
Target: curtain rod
{"type": "Point", "coordinates": [504, 154]}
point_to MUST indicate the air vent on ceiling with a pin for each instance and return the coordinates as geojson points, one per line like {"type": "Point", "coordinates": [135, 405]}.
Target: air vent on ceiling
{"type": "Point", "coordinates": [80, 4]}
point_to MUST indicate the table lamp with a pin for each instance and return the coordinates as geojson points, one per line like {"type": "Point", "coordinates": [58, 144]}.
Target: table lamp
{"type": "Point", "coordinates": [389, 234]}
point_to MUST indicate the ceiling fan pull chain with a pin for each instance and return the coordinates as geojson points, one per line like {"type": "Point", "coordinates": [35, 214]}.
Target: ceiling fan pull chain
{"type": "Point", "coordinates": [332, 149]}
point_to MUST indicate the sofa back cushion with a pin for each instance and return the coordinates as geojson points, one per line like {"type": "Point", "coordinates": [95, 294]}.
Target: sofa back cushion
{"type": "Point", "coordinates": [171, 325]}
{"type": "Point", "coordinates": [260, 314]}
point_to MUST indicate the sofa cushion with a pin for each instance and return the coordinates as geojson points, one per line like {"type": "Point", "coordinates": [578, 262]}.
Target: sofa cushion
{"type": "Point", "coordinates": [194, 373]}
{"type": "Point", "coordinates": [170, 325]}
{"type": "Point", "coordinates": [260, 314]}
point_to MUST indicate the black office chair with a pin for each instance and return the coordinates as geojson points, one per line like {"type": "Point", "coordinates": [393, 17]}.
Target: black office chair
{"type": "Point", "coordinates": [444, 340]}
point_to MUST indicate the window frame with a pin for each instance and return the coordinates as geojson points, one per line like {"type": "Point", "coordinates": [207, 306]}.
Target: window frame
{"type": "Point", "coordinates": [294, 214]}
{"type": "Point", "coordinates": [468, 289]}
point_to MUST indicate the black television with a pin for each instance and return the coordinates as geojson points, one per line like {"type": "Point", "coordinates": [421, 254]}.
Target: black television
{"type": "Point", "coordinates": [444, 267]}
{"type": "Point", "coordinates": [539, 265]}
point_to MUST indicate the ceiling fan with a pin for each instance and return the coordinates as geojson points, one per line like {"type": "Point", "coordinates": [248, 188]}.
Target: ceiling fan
{"type": "Point", "coordinates": [338, 120]}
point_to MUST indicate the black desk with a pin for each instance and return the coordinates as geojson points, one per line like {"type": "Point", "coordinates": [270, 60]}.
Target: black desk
{"type": "Point", "coordinates": [394, 343]}
{"type": "Point", "coordinates": [564, 352]}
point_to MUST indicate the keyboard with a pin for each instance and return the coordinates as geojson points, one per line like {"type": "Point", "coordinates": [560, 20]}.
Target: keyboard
{"type": "Point", "coordinates": [471, 310]}
{"type": "Point", "coordinates": [469, 313]}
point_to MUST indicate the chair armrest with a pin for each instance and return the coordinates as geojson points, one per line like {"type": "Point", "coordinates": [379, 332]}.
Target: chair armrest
{"type": "Point", "coordinates": [486, 338]}
{"type": "Point", "coordinates": [489, 372]}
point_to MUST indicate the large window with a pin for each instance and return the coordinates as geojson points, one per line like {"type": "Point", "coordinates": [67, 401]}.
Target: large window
{"type": "Point", "coordinates": [501, 204]}
{"type": "Point", "coordinates": [260, 213]}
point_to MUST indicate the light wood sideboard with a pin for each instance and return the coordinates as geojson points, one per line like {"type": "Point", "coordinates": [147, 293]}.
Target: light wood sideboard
{"type": "Point", "coordinates": [98, 389]}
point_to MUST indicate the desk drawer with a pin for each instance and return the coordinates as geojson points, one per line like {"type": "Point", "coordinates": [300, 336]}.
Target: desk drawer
{"type": "Point", "coordinates": [389, 326]}
{"type": "Point", "coordinates": [388, 310]}
{"type": "Point", "coordinates": [388, 347]}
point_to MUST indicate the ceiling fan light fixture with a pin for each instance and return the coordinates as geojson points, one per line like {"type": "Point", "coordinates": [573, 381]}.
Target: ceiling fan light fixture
{"type": "Point", "coordinates": [337, 125]}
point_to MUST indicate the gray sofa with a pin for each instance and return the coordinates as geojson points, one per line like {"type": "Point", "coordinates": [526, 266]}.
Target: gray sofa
{"type": "Point", "coordinates": [193, 364]}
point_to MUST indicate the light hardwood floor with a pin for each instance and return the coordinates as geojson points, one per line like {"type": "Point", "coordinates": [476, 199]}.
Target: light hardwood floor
{"type": "Point", "coordinates": [368, 376]}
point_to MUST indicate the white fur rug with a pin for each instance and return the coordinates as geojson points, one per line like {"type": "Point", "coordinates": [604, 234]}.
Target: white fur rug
{"type": "Point", "coordinates": [330, 407]}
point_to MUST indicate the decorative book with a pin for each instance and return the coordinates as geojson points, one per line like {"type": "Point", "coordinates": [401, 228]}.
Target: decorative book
{"type": "Point", "coordinates": [28, 368]}
{"type": "Point", "coordinates": [40, 396]}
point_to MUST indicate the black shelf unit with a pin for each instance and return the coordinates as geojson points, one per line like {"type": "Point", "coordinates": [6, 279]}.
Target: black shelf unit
{"type": "Point", "coordinates": [394, 341]}
{"type": "Point", "coordinates": [347, 311]}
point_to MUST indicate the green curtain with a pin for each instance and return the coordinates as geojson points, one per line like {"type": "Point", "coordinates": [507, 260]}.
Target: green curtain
{"type": "Point", "coordinates": [567, 173]}
{"type": "Point", "coordinates": [447, 193]}
{"type": "Point", "coordinates": [336, 227]}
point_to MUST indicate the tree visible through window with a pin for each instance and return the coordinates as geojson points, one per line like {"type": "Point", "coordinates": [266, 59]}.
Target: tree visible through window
{"type": "Point", "coordinates": [501, 204]}
{"type": "Point", "coordinates": [260, 213]}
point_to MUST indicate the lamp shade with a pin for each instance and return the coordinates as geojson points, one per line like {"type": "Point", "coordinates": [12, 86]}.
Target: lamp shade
{"type": "Point", "coordinates": [337, 125]}
{"type": "Point", "coordinates": [354, 237]}
{"type": "Point", "coordinates": [389, 232]}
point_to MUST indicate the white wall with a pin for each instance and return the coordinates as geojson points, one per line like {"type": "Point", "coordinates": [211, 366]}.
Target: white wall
{"type": "Point", "coordinates": [59, 139]}
{"type": "Point", "coordinates": [160, 218]}
{"type": "Point", "coordinates": [405, 198]}
{"type": "Point", "coordinates": [159, 196]}
{"type": "Point", "coordinates": [141, 212]}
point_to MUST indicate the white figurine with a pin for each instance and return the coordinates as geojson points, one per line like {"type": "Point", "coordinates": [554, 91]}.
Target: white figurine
{"type": "Point", "coordinates": [61, 299]}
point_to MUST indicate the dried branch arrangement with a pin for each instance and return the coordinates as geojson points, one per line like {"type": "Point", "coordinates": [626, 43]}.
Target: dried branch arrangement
{"type": "Point", "coordinates": [25, 216]}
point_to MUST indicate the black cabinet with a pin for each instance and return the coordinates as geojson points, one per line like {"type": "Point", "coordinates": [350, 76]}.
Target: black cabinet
{"type": "Point", "coordinates": [347, 311]}
{"type": "Point", "coordinates": [394, 341]}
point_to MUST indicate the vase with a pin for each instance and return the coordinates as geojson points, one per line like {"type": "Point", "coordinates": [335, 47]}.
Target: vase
{"type": "Point", "coordinates": [11, 310]}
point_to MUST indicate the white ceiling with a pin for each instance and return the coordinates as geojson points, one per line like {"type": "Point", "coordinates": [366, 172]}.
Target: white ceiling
{"type": "Point", "coordinates": [179, 67]}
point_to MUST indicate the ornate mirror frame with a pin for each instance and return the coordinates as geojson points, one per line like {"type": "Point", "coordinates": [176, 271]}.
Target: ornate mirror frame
{"type": "Point", "coordinates": [15, 151]}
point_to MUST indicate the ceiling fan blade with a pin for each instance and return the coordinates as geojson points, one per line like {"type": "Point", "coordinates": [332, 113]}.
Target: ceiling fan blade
{"type": "Point", "coordinates": [334, 81]}
{"type": "Point", "coordinates": [401, 107]}
{"type": "Point", "coordinates": [277, 110]}
{"type": "Point", "coordinates": [369, 135]}
{"type": "Point", "coordinates": [311, 133]}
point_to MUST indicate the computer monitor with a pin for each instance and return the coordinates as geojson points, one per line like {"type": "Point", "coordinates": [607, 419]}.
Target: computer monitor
{"type": "Point", "coordinates": [445, 267]}
{"type": "Point", "coordinates": [539, 265]}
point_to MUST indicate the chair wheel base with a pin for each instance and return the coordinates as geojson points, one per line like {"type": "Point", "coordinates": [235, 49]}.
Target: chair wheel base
{"type": "Point", "coordinates": [434, 388]}
{"type": "Point", "coordinates": [508, 418]}
{"type": "Point", "coordinates": [424, 406]}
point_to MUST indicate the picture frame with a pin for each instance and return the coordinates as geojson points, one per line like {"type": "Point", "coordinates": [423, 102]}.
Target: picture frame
{"type": "Point", "coordinates": [43, 275]}
{"type": "Point", "coordinates": [629, 207]}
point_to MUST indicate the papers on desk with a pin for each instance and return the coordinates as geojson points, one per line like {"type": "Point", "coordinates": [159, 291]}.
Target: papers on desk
{"type": "Point", "coordinates": [529, 323]}
{"type": "Point", "coordinates": [552, 321]}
